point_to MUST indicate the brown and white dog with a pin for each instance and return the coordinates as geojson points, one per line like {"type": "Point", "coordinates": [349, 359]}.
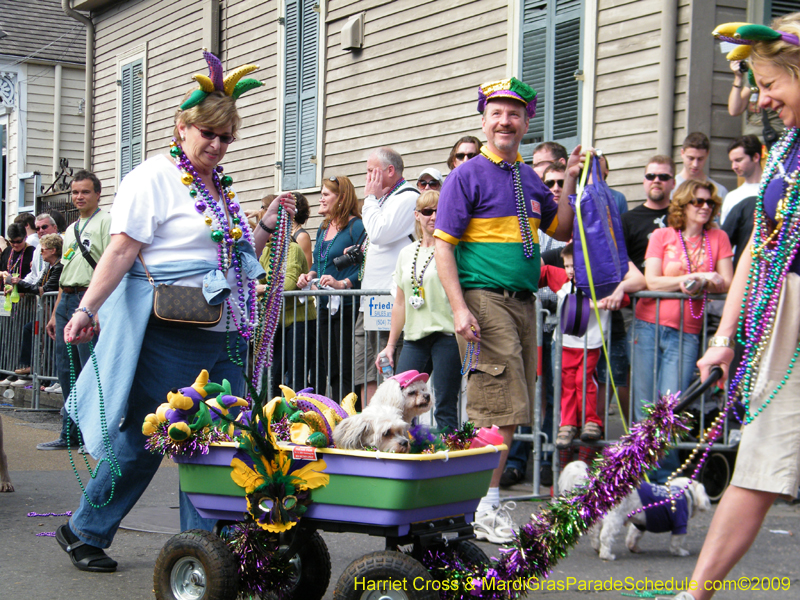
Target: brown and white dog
{"type": "Point", "coordinates": [5, 480]}
{"type": "Point", "coordinates": [658, 519]}
{"type": "Point", "coordinates": [384, 423]}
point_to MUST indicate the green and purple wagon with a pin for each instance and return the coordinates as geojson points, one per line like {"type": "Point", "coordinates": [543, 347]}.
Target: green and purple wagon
{"type": "Point", "coordinates": [419, 502]}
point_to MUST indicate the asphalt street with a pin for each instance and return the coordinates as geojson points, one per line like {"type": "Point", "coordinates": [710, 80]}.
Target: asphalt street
{"type": "Point", "coordinates": [35, 568]}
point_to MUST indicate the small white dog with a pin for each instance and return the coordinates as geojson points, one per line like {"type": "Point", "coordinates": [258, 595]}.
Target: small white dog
{"type": "Point", "coordinates": [406, 392]}
{"type": "Point", "coordinates": [384, 430]}
{"type": "Point", "coordinates": [658, 519]}
{"type": "Point", "coordinates": [384, 423]}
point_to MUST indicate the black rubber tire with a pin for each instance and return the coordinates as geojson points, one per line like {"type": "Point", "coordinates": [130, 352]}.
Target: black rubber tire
{"type": "Point", "coordinates": [715, 475]}
{"type": "Point", "coordinates": [312, 570]}
{"type": "Point", "coordinates": [384, 566]}
{"type": "Point", "coordinates": [472, 553]}
{"type": "Point", "coordinates": [191, 561]}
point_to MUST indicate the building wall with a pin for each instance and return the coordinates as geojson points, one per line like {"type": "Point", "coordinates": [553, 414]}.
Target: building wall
{"type": "Point", "coordinates": [626, 105]}
{"type": "Point", "coordinates": [40, 107]}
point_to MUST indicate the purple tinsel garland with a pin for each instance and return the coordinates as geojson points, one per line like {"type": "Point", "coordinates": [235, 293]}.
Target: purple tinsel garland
{"type": "Point", "coordinates": [548, 537]}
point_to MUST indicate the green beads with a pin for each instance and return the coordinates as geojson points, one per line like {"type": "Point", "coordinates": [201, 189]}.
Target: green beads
{"type": "Point", "coordinates": [226, 180]}
{"type": "Point", "coordinates": [217, 235]}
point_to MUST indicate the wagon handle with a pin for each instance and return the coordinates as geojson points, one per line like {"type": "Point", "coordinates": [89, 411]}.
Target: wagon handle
{"type": "Point", "coordinates": [696, 389]}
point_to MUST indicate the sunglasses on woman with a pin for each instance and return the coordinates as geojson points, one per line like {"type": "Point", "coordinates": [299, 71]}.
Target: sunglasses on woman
{"type": "Point", "coordinates": [698, 202]}
{"type": "Point", "coordinates": [466, 155]}
{"type": "Point", "coordinates": [550, 183]}
{"type": "Point", "coordinates": [224, 138]}
{"type": "Point", "coordinates": [659, 176]}
{"type": "Point", "coordinates": [428, 183]}
{"type": "Point", "coordinates": [427, 212]}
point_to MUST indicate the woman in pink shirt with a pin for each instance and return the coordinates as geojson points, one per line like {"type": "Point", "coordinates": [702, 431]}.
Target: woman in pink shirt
{"type": "Point", "coordinates": [692, 256]}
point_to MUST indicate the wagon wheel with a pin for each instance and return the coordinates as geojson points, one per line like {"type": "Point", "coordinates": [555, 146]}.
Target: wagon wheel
{"type": "Point", "coordinates": [379, 570]}
{"type": "Point", "coordinates": [469, 553]}
{"type": "Point", "coordinates": [310, 570]}
{"type": "Point", "coordinates": [715, 475]}
{"type": "Point", "coordinates": [195, 565]}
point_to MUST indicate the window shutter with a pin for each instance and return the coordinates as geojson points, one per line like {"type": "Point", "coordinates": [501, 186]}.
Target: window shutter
{"type": "Point", "coordinates": [131, 117]}
{"type": "Point", "coordinates": [291, 103]}
{"type": "Point", "coordinates": [308, 94]}
{"type": "Point", "coordinates": [534, 63]}
{"type": "Point", "coordinates": [777, 8]}
{"type": "Point", "coordinates": [300, 95]}
{"type": "Point", "coordinates": [551, 46]}
{"type": "Point", "coordinates": [565, 86]}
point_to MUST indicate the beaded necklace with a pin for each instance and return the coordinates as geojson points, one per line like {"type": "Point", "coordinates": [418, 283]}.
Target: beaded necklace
{"type": "Point", "coordinates": [691, 270]}
{"type": "Point", "coordinates": [225, 233]}
{"type": "Point", "coordinates": [774, 251]}
{"type": "Point", "coordinates": [324, 251]}
{"type": "Point", "coordinates": [381, 201]}
{"type": "Point", "coordinates": [528, 246]}
{"type": "Point", "coordinates": [271, 302]}
{"type": "Point", "coordinates": [417, 298]}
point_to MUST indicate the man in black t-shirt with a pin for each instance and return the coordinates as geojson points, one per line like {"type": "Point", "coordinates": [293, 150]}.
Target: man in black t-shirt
{"type": "Point", "coordinates": [640, 222]}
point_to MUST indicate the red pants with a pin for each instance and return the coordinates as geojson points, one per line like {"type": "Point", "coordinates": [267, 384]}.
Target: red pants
{"type": "Point", "coordinates": [572, 369]}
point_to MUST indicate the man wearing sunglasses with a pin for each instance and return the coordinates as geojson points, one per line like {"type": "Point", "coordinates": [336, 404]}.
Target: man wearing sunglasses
{"type": "Point", "coordinates": [430, 179]}
{"type": "Point", "coordinates": [638, 223]}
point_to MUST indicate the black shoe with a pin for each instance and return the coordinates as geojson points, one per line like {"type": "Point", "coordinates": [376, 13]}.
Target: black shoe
{"type": "Point", "coordinates": [511, 476]}
{"type": "Point", "coordinates": [83, 556]}
{"type": "Point", "coordinates": [546, 475]}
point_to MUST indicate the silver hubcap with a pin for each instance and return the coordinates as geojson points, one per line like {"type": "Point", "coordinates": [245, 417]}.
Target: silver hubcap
{"type": "Point", "coordinates": [188, 579]}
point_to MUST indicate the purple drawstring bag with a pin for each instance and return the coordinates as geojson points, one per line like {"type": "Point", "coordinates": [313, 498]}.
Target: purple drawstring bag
{"type": "Point", "coordinates": [608, 257]}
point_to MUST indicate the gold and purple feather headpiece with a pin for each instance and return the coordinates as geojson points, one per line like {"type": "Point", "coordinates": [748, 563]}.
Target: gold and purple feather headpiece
{"type": "Point", "coordinates": [231, 85]}
{"type": "Point", "coordinates": [745, 34]}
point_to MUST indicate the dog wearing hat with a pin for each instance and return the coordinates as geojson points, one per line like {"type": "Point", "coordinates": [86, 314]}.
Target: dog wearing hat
{"type": "Point", "coordinates": [384, 423]}
{"type": "Point", "coordinates": [406, 392]}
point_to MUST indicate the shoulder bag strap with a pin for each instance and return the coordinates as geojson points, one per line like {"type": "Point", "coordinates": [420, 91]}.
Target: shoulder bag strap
{"type": "Point", "coordinates": [84, 249]}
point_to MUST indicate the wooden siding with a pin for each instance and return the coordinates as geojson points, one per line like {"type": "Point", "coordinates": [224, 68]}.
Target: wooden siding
{"type": "Point", "coordinates": [626, 100]}
{"type": "Point", "coordinates": [40, 106]}
{"type": "Point", "coordinates": [409, 88]}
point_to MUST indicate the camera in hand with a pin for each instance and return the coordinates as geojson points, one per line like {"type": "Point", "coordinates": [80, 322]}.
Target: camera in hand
{"type": "Point", "coordinates": [743, 66]}
{"type": "Point", "coordinates": [352, 256]}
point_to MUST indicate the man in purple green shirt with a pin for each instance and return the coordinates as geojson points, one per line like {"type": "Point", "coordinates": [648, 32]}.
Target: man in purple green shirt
{"type": "Point", "coordinates": [487, 255]}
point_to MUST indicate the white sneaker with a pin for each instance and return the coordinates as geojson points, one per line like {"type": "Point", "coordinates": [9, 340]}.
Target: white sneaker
{"type": "Point", "coordinates": [683, 596]}
{"type": "Point", "coordinates": [20, 383]}
{"type": "Point", "coordinates": [7, 381]}
{"type": "Point", "coordinates": [53, 389]}
{"type": "Point", "coordinates": [495, 525]}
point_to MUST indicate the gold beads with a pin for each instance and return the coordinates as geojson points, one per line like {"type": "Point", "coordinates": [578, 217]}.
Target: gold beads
{"type": "Point", "coordinates": [187, 179]}
{"type": "Point", "coordinates": [236, 233]}
{"type": "Point", "coordinates": [231, 194]}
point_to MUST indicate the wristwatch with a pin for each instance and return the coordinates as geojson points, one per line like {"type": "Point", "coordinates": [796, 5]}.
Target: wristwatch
{"type": "Point", "coordinates": [720, 341]}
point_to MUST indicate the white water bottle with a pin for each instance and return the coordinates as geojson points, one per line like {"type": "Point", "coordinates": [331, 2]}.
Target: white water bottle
{"type": "Point", "coordinates": [386, 367]}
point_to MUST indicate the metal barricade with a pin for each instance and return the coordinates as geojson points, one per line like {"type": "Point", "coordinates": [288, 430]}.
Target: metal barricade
{"type": "Point", "coordinates": [24, 325]}
{"type": "Point", "coordinates": [315, 342]}
{"type": "Point", "coordinates": [703, 422]}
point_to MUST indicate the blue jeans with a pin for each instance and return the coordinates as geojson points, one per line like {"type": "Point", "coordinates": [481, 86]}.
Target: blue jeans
{"type": "Point", "coordinates": [519, 452]}
{"type": "Point", "coordinates": [80, 354]}
{"type": "Point", "coordinates": [672, 365]}
{"type": "Point", "coordinates": [437, 352]}
{"type": "Point", "coordinates": [170, 358]}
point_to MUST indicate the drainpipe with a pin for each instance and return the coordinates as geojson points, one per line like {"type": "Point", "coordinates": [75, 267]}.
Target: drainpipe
{"type": "Point", "coordinates": [66, 5]}
{"type": "Point", "coordinates": [666, 76]}
{"type": "Point", "coordinates": [57, 119]}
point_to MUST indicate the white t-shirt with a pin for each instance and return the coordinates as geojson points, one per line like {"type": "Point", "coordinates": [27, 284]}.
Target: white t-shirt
{"type": "Point", "coordinates": [722, 191]}
{"type": "Point", "coordinates": [388, 227]}
{"type": "Point", "coordinates": [32, 240]}
{"type": "Point", "coordinates": [733, 198]}
{"type": "Point", "coordinates": [154, 207]}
